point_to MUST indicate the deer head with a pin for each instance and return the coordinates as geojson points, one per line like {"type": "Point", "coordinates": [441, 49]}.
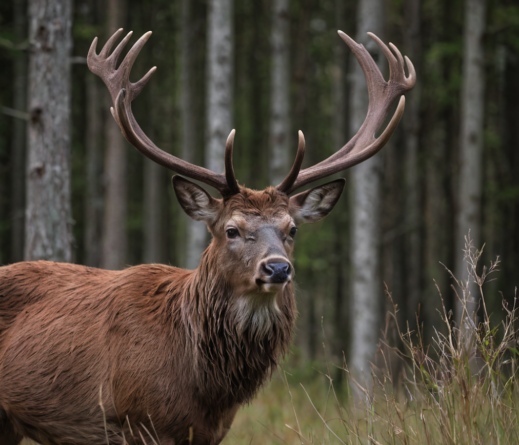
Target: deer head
{"type": "Point", "coordinates": [253, 231]}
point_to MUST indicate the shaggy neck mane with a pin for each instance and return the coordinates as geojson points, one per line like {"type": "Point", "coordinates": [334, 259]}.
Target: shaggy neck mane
{"type": "Point", "coordinates": [237, 340]}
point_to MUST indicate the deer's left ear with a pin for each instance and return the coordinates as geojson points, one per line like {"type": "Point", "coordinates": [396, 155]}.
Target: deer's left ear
{"type": "Point", "coordinates": [195, 201]}
{"type": "Point", "coordinates": [314, 204]}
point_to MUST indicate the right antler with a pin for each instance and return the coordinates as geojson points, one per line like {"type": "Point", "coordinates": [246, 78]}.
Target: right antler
{"type": "Point", "coordinates": [363, 145]}
{"type": "Point", "coordinates": [123, 92]}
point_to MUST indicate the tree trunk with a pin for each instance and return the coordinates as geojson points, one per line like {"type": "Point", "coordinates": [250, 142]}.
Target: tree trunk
{"type": "Point", "coordinates": [219, 82]}
{"type": "Point", "coordinates": [114, 240]}
{"type": "Point", "coordinates": [411, 126]}
{"type": "Point", "coordinates": [279, 162]}
{"type": "Point", "coordinates": [93, 210]}
{"type": "Point", "coordinates": [19, 135]}
{"type": "Point", "coordinates": [471, 143]}
{"type": "Point", "coordinates": [339, 137]}
{"type": "Point", "coordinates": [48, 218]}
{"type": "Point", "coordinates": [365, 230]}
{"type": "Point", "coordinates": [153, 235]}
{"type": "Point", "coordinates": [219, 89]}
{"type": "Point", "coordinates": [196, 231]}
{"type": "Point", "coordinates": [94, 196]}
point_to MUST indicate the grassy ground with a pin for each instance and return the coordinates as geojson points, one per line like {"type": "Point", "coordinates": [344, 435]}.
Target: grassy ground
{"type": "Point", "coordinates": [279, 412]}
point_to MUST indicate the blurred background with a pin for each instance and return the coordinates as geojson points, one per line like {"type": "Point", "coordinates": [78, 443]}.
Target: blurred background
{"type": "Point", "coordinates": [71, 188]}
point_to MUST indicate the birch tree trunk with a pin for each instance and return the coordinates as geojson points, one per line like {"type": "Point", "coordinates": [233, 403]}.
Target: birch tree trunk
{"type": "Point", "coordinates": [196, 231]}
{"type": "Point", "coordinates": [114, 240]}
{"type": "Point", "coordinates": [19, 135]}
{"type": "Point", "coordinates": [219, 82]}
{"type": "Point", "coordinates": [411, 125]}
{"type": "Point", "coordinates": [365, 230]}
{"type": "Point", "coordinates": [279, 163]}
{"type": "Point", "coordinates": [219, 92]}
{"type": "Point", "coordinates": [471, 140]}
{"type": "Point", "coordinates": [48, 215]}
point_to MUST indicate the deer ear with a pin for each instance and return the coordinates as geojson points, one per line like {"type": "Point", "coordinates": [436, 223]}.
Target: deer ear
{"type": "Point", "coordinates": [314, 204]}
{"type": "Point", "coordinates": [194, 200]}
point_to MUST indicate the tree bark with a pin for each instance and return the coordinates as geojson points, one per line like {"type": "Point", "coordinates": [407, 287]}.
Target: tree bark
{"type": "Point", "coordinates": [219, 82]}
{"type": "Point", "coordinates": [411, 126]}
{"type": "Point", "coordinates": [153, 235]}
{"type": "Point", "coordinates": [279, 162]}
{"type": "Point", "coordinates": [196, 231]}
{"type": "Point", "coordinates": [94, 195]}
{"type": "Point", "coordinates": [339, 137]}
{"type": "Point", "coordinates": [471, 143]}
{"type": "Point", "coordinates": [48, 215]}
{"type": "Point", "coordinates": [114, 240]}
{"type": "Point", "coordinates": [19, 135]}
{"type": "Point", "coordinates": [365, 230]}
{"type": "Point", "coordinates": [219, 97]}
{"type": "Point", "coordinates": [93, 210]}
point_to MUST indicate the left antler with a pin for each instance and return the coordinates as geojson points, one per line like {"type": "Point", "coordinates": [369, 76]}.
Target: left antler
{"type": "Point", "coordinates": [363, 145]}
{"type": "Point", "coordinates": [123, 92]}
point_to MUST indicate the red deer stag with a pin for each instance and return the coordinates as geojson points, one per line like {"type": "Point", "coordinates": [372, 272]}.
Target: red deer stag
{"type": "Point", "coordinates": [91, 356]}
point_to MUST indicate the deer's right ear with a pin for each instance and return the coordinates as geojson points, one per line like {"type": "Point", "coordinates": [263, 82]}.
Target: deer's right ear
{"type": "Point", "coordinates": [194, 200]}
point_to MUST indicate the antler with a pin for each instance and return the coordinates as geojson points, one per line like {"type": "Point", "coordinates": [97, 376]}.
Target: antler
{"type": "Point", "coordinates": [123, 92]}
{"type": "Point", "coordinates": [363, 145]}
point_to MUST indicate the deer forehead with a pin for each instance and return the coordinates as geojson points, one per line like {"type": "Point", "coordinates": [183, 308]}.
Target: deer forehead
{"type": "Point", "coordinates": [252, 222]}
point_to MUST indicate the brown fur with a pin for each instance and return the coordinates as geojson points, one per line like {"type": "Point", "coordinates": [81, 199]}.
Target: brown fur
{"type": "Point", "coordinates": [160, 344]}
{"type": "Point", "coordinates": [152, 349]}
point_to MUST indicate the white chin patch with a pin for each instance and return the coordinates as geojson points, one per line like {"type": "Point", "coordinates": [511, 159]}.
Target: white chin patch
{"type": "Point", "coordinates": [273, 287]}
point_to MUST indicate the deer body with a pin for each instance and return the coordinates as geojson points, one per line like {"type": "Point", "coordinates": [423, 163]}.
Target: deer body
{"type": "Point", "coordinates": [157, 353]}
{"type": "Point", "coordinates": [153, 354]}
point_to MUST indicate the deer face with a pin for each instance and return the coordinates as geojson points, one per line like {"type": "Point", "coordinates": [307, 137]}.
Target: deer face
{"type": "Point", "coordinates": [254, 231]}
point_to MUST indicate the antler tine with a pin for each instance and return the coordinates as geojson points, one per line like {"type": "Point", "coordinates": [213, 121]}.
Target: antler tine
{"type": "Point", "coordinates": [229, 169]}
{"type": "Point", "coordinates": [105, 51]}
{"type": "Point", "coordinates": [288, 182]}
{"type": "Point", "coordinates": [382, 95]}
{"type": "Point", "coordinates": [114, 57]}
{"type": "Point", "coordinates": [123, 92]}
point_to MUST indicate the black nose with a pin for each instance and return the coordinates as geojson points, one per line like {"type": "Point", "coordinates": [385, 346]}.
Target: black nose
{"type": "Point", "coordinates": [277, 272]}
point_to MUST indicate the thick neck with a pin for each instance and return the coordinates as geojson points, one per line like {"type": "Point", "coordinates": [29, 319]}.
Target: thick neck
{"type": "Point", "coordinates": [238, 340]}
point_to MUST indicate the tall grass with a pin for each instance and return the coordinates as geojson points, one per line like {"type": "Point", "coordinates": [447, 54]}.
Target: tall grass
{"type": "Point", "coordinates": [461, 389]}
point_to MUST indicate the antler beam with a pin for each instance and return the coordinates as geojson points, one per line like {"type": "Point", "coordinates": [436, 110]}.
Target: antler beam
{"type": "Point", "coordinates": [382, 95]}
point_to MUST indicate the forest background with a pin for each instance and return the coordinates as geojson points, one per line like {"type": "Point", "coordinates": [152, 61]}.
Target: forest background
{"type": "Point", "coordinates": [269, 69]}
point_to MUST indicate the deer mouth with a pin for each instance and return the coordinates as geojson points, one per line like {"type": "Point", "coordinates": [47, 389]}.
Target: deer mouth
{"type": "Point", "coordinates": [269, 286]}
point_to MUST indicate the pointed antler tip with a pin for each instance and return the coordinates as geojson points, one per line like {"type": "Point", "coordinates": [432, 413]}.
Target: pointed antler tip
{"type": "Point", "coordinates": [346, 38]}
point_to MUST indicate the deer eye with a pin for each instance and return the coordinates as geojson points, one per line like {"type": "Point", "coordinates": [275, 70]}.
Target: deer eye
{"type": "Point", "coordinates": [293, 231]}
{"type": "Point", "coordinates": [232, 233]}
